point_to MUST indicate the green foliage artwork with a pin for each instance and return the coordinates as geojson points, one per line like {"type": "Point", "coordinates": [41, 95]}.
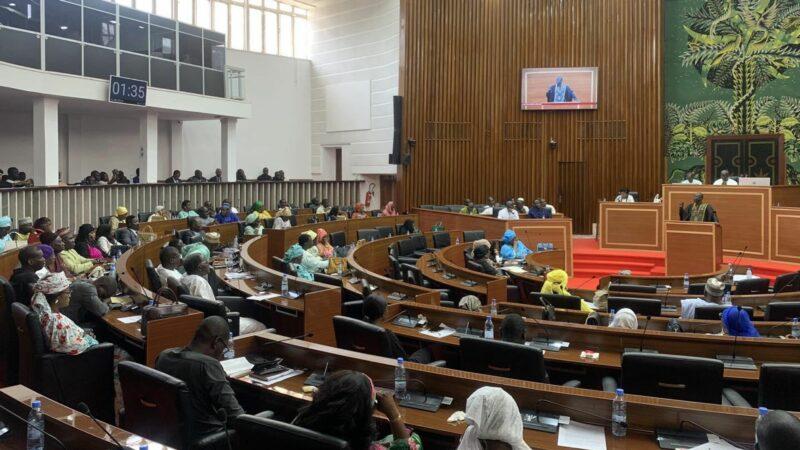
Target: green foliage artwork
{"type": "Point", "coordinates": [730, 68]}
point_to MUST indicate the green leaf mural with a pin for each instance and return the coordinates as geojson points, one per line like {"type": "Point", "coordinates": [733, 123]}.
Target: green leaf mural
{"type": "Point", "coordinates": [731, 68]}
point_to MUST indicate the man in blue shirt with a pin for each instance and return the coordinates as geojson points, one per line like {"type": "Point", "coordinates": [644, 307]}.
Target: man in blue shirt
{"type": "Point", "coordinates": [539, 210]}
{"type": "Point", "coordinates": [225, 215]}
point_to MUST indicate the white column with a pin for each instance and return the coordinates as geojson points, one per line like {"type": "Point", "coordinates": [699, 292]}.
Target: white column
{"type": "Point", "coordinates": [176, 146]}
{"type": "Point", "coordinates": [228, 149]}
{"type": "Point", "coordinates": [45, 141]}
{"type": "Point", "coordinates": [148, 152]}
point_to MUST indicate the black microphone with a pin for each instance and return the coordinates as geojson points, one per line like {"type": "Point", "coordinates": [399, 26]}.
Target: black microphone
{"type": "Point", "coordinates": [53, 438]}
{"type": "Point", "coordinates": [547, 345]}
{"type": "Point", "coordinates": [302, 336]}
{"type": "Point", "coordinates": [736, 261]}
{"type": "Point", "coordinates": [644, 331]}
{"type": "Point", "coordinates": [666, 296]}
{"type": "Point", "coordinates": [84, 408]}
{"type": "Point", "coordinates": [549, 312]}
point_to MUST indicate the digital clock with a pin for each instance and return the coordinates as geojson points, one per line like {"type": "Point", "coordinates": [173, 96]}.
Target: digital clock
{"type": "Point", "coordinates": [127, 90]}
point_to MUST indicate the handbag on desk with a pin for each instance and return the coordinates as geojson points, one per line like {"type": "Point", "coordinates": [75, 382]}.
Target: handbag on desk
{"type": "Point", "coordinates": [158, 311]}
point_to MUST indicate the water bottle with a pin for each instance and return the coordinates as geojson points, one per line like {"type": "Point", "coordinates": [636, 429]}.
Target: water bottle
{"type": "Point", "coordinates": [493, 309]}
{"type": "Point", "coordinates": [730, 271]}
{"type": "Point", "coordinates": [762, 412]}
{"type": "Point", "coordinates": [726, 298]}
{"type": "Point", "coordinates": [230, 351]}
{"type": "Point", "coordinates": [236, 242]}
{"type": "Point", "coordinates": [143, 447]}
{"type": "Point", "coordinates": [488, 329]}
{"type": "Point", "coordinates": [796, 328]}
{"type": "Point", "coordinates": [619, 418]}
{"type": "Point", "coordinates": [112, 268]}
{"type": "Point", "coordinates": [686, 282]}
{"type": "Point", "coordinates": [400, 383]}
{"type": "Point", "coordinates": [285, 285]}
{"type": "Point", "coordinates": [749, 274]}
{"type": "Point", "coordinates": [458, 241]}
{"type": "Point", "coordinates": [35, 419]}
{"type": "Point", "coordinates": [339, 270]}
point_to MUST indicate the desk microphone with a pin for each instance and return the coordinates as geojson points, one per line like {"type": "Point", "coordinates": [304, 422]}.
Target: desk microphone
{"type": "Point", "coordinates": [53, 438]}
{"type": "Point", "coordinates": [302, 336]}
{"type": "Point", "coordinates": [736, 261]}
{"type": "Point", "coordinates": [543, 328]}
{"type": "Point", "coordinates": [666, 297]}
{"type": "Point", "coordinates": [549, 312]}
{"type": "Point", "coordinates": [644, 331]}
{"type": "Point", "coordinates": [84, 408]}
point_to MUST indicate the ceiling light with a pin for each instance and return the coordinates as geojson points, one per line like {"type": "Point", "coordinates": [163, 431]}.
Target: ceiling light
{"type": "Point", "coordinates": [112, 21]}
{"type": "Point", "coordinates": [12, 4]}
{"type": "Point", "coordinates": [64, 27]}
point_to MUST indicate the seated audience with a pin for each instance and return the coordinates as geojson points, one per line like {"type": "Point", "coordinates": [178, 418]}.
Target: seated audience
{"type": "Point", "coordinates": [509, 212]}
{"type": "Point", "coordinates": [129, 235]}
{"type": "Point", "coordinates": [374, 309]}
{"type": "Point", "coordinates": [539, 210]}
{"type": "Point", "coordinates": [40, 225]}
{"type": "Point", "coordinates": [186, 210]}
{"type": "Point", "coordinates": [51, 246]}
{"type": "Point", "coordinates": [293, 259]}
{"type": "Point", "coordinates": [469, 208]}
{"type": "Point", "coordinates": [170, 258]}
{"type": "Point", "coordinates": [325, 207]}
{"type": "Point", "coordinates": [512, 247]}
{"type": "Point", "coordinates": [324, 247]}
{"type": "Point", "coordinates": [725, 179]}
{"type": "Point", "coordinates": [204, 216]}
{"type": "Point", "coordinates": [85, 244]}
{"type": "Point", "coordinates": [314, 204]}
{"type": "Point", "coordinates": [736, 322]}
{"type": "Point", "coordinates": [469, 303]}
{"type": "Point", "coordinates": [390, 210]}
{"type": "Point", "coordinates": [119, 177]}
{"type": "Point", "coordinates": [60, 333]}
{"type": "Point", "coordinates": [624, 318]}
{"type": "Point", "coordinates": [690, 178]}
{"type": "Point", "coordinates": [344, 407]}
{"type": "Point", "coordinates": [194, 233]}
{"type": "Point", "coordinates": [31, 260]}
{"type": "Point", "coordinates": [311, 259]}
{"type": "Point", "coordinates": [265, 176]}
{"type": "Point", "coordinates": [160, 214]}
{"type": "Point", "coordinates": [259, 208]}
{"type": "Point", "coordinates": [408, 227]}
{"type": "Point", "coordinates": [522, 209]}
{"type": "Point", "coordinates": [778, 430]}
{"type": "Point", "coordinates": [209, 243]}
{"type": "Point", "coordinates": [624, 196]}
{"type": "Point", "coordinates": [103, 178]}
{"type": "Point", "coordinates": [119, 216]}
{"type": "Point", "coordinates": [198, 365]}
{"type": "Point", "coordinates": [279, 176]}
{"type": "Point", "coordinates": [253, 225]}
{"type": "Point", "coordinates": [714, 291]}
{"type": "Point", "coordinates": [512, 329]}
{"type": "Point", "coordinates": [197, 177]}
{"type": "Point", "coordinates": [225, 215]}
{"type": "Point", "coordinates": [240, 175]}
{"type": "Point", "coordinates": [217, 178]}
{"type": "Point", "coordinates": [475, 244]}
{"type": "Point", "coordinates": [5, 183]}
{"type": "Point", "coordinates": [556, 283]}
{"type": "Point", "coordinates": [24, 229]}
{"type": "Point", "coordinates": [88, 300]}
{"type": "Point", "coordinates": [72, 260]}
{"type": "Point", "coordinates": [5, 232]}
{"type": "Point", "coordinates": [491, 204]}
{"type": "Point", "coordinates": [175, 178]}
{"type": "Point", "coordinates": [282, 219]}
{"type": "Point", "coordinates": [480, 255]}
{"type": "Point", "coordinates": [359, 211]}
{"type": "Point", "coordinates": [493, 422]}
{"type": "Point", "coordinates": [335, 214]}
{"type": "Point", "coordinates": [136, 179]}
{"type": "Point", "coordinates": [107, 244]}
{"type": "Point", "coordinates": [549, 206]}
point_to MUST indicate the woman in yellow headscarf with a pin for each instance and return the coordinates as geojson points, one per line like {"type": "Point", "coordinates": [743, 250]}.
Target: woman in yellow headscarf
{"type": "Point", "coordinates": [556, 283]}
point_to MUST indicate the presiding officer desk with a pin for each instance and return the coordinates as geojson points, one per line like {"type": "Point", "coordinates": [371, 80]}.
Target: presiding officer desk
{"type": "Point", "coordinates": [645, 414]}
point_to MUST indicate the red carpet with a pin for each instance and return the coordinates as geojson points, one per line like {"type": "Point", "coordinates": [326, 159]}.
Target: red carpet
{"type": "Point", "coordinates": [591, 261]}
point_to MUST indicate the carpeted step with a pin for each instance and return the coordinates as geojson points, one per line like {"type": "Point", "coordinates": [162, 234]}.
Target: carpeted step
{"type": "Point", "coordinates": [611, 264]}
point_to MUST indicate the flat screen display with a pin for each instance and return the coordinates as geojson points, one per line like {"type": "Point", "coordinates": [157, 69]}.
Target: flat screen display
{"type": "Point", "coordinates": [127, 90]}
{"type": "Point", "coordinates": [563, 88]}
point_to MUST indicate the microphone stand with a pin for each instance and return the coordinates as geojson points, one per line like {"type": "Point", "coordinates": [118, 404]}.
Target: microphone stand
{"type": "Point", "coordinates": [84, 408]}
{"type": "Point", "coordinates": [737, 362]}
{"type": "Point", "coordinates": [547, 345]}
{"type": "Point", "coordinates": [641, 341]}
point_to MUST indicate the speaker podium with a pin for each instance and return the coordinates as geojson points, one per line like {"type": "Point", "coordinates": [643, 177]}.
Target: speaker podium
{"type": "Point", "coordinates": [692, 247]}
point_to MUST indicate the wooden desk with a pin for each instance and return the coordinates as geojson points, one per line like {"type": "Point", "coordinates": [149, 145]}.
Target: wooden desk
{"type": "Point", "coordinates": [492, 226]}
{"type": "Point", "coordinates": [692, 247]}
{"type": "Point", "coordinates": [555, 231]}
{"type": "Point", "coordinates": [786, 234]}
{"type": "Point", "coordinates": [227, 232]}
{"type": "Point", "coordinates": [631, 226]}
{"type": "Point", "coordinates": [452, 259]}
{"type": "Point", "coordinates": [162, 227]}
{"type": "Point", "coordinates": [644, 413]}
{"type": "Point", "coordinates": [74, 429]}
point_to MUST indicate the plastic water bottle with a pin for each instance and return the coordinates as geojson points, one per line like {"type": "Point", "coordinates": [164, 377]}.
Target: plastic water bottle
{"type": "Point", "coordinates": [285, 285]}
{"type": "Point", "coordinates": [339, 270]}
{"type": "Point", "coordinates": [35, 437]}
{"type": "Point", "coordinates": [400, 382]}
{"type": "Point", "coordinates": [488, 328]}
{"type": "Point", "coordinates": [458, 241]}
{"type": "Point", "coordinates": [112, 268]}
{"type": "Point", "coordinates": [795, 328]}
{"type": "Point", "coordinates": [230, 352]}
{"type": "Point", "coordinates": [493, 308]}
{"type": "Point", "coordinates": [762, 412]}
{"type": "Point", "coordinates": [619, 417]}
{"type": "Point", "coordinates": [749, 274]}
{"type": "Point", "coordinates": [686, 282]}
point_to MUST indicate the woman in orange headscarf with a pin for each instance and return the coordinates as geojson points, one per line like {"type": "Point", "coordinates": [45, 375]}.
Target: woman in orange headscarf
{"type": "Point", "coordinates": [390, 210]}
{"type": "Point", "coordinates": [358, 211]}
{"type": "Point", "coordinates": [324, 244]}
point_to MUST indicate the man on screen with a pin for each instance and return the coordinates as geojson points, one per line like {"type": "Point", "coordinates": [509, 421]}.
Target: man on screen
{"type": "Point", "coordinates": [560, 92]}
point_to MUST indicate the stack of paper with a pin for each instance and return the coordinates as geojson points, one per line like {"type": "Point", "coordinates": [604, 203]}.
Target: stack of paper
{"type": "Point", "coordinates": [236, 367]}
{"type": "Point", "coordinates": [263, 297]}
{"type": "Point", "coordinates": [581, 435]}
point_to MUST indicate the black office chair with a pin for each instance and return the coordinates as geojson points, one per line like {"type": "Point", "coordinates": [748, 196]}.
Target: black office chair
{"type": "Point", "coordinates": [253, 432]}
{"type": "Point", "coordinates": [158, 406]}
{"type": "Point", "coordinates": [357, 335]}
{"type": "Point", "coordinates": [397, 268]}
{"type": "Point", "coordinates": [384, 232]}
{"type": "Point", "coordinates": [472, 265]}
{"type": "Point", "coordinates": [672, 376]}
{"type": "Point", "coordinates": [68, 379]}
{"type": "Point", "coordinates": [715, 312]}
{"type": "Point", "coordinates": [441, 239]}
{"type": "Point", "coordinates": [104, 220]}
{"type": "Point", "coordinates": [268, 224]}
{"type": "Point", "coordinates": [788, 282]}
{"type": "Point", "coordinates": [420, 245]}
{"type": "Point", "coordinates": [279, 264]}
{"type": "Point", "coordinates": [293, 220]}
{"type": "Point", "coordinates": [559, 301]}
{"type": "Point", "coordinates": [374, 213]}
{"type": "Point", "coordinates": [211, 308]}
{"type": "Point", "coordinates": [636, 288]}
{"type": "Point", "coordinates": [781, 311]}
{"type": "Point", "coordinates": [751, 286]}
{"type": "Point", "coordinates": [474, 235]}
{"type": "Point", "coordinates": [640, 306]}
{"type": "Point", "coordinates": [152, 276]}
{"type": "Point", "coordinates": [779, 386]}
{"type": "Point", "coordinates": [354, 309]}
{"type": "Point", "coordinates": [9, 341]}
{"type": "Point", "coordinates": [405, 251]}
{"type": "Point", "coordinates": [144, 216]}
{"type": "Point", "coordinates": [338, 239]}
{"type": "Point", "coordinates": [367, 234]}
{"type": "Point", "coordinates": [635, 195]}
{"type": "Point", "coordinates": [327, 279]}
{"type": "Point", "coordinates": [697, 289]}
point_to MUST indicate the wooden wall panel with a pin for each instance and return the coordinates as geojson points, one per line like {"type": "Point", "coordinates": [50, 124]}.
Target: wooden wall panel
{"type": "Point", "coordinates": [461, 63]}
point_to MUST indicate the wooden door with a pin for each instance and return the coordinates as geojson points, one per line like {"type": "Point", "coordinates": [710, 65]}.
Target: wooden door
{"type": "Point", "coordinates": [571, 195]}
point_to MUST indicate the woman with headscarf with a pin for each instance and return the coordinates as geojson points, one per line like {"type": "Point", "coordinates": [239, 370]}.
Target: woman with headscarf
{"type": "Point", "coordinates": [334, 214]}
{"type": "Point", "coordinates": [258, 207]}
{"type": "Point", "coordinates": [294, 258]}
{"type": "Point", "coordinates": [481, 256]}
{"type": "Point", "coordinates": [324, 247]}
{"type": "Point", "coordinates": [358, 211]}
{"type": "Point", "coordinates": [408, 227]}
{"type": "Point", "coordinates": [253, 225]}
{"type": "Point", "coordinates": [492, 415]}
{"type": "Point", "coordinates": [374, 308]}
{"type": "Point", "coordinates": [161, 214]}
{"type": "Point", "coordinates": [556, 283]}
{"type": "Point", "coordinates": [282, 219]}
{"type": "Point", "coordinates": [61, 334]}
{"type": "Point", "coordinates": [390, 210]}
{"type": "Point", "coordinates": [512, 247]}
{"type": "Point", "coordinates": [52, 241]}
{"type": "Point", "coordinates": [624, 318]}
{"type": "Point", "coordinates": [85, 244]}
{"type": "Point", "coordinates": [469, 303]}
{"type": "Point", "coordinates": [736, 322]}
{"type": "Point", "coordinates": [240, 175]}
{"type": "Point", "coordinates": [119, 217]}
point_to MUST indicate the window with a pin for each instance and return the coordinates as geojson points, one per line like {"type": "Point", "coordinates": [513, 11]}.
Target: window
{"type": "Point", "coordinates": [145, 5]}
{"type": "Point", "coordinates": [271, 33]}
{"type": "Point", "coordinates": [162, 42]}
{"type": "Point", "coordinates": [237, 27]}
{"type": "Point", "coordinates": [164, 8]}
{"type": "Point", "coordinates": [185, 11]}
{"type": "Point", "coordinates": [285, 35]}
{"type": "Point", "coordinates": [203, 14]}
{"type": "Point", "coordinates": [221, 17]}
{"type": "Point", "coordinates": [23, 14]}
{"type": "Point", "coordinates": [63, 19]}
{"type": "Point", "coordinates": [99, 28]}
{"type": "Point", "coordinates": [132, 36]}
{"type": "Point", "coordinates": [255, 31]}
{"type": "Point", "coordinates": [301, 41]}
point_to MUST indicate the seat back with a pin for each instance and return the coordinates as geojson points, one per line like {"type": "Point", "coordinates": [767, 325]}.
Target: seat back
{"type": "Point", "coordinates": [9, 342]}
{"type": "Point", "coordinates": [715, 312]}
{"type": "Point", "coordinates": [152, 276]}
{"type": "Point", "coordinates": [474, 235]}
{"type": "Point", "coordinates": [752, 286]}
{"type": "Point", "coordinates": [672, 376]}
{"type": "Point", "coordinates": [293, 220]}
{"type": "Point", "coordinates": [278, 263]}
{"type": "Point", "coordinates": [505, 359]}
{"type": "Point", "coordinates": [338, 239]}
{"type": "Point", "coordinates": [781, 311]}
{"type": "Point", "coordinates": [472, 265]}
{"type": "Point", "coordinates": [31, 345]}
{"type": "Point", "coordinates": [385, 232]}
{"type": "Point", "coordinates": [788, 282]}
{"type": "Point", "coordinates": [441, 239]}
{"type": "Point", "coordinates": [406, 247]}
{"type": "Point", "coordinates": [697, 289]}
{"type": "Point", "coordinates": [143, 216]}
{"type": "Point", "coordinates": [367, 234]}
{"type": "Point", "coordinates": [559, 301]}
{"type": "Point", "coordinates": [419, 242]}
{"type": "Point", "coordinates": [643, 289]}
{"type": "Point", "coordinates": [397, 271]}
{"type": "Point", "coordinates": [157, 405]}
{"type": "Point", "coordinates": [104, 220]}
{"type": "Point", "coordinates": [254, 431]}
{"type": "Point", "coordinates": [360, 336]}
{"type": "Point", "coordinates": [779, 386]}
{"type": "Point", "coordinates": [640, 306]}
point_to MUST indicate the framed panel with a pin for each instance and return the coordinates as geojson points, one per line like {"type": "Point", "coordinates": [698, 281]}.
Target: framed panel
{"type": "Point", "coordinates": [163, 74]}
{"type": "Point", "coordinates": [23, 15]}
{"type": "Point", "coordinates": [134, 66]}
{"type": "Point", "coordinates": [21, 48]}
{"type": "Point", "coordinates": [191, 79]}
{"type": "Point", "coordinates": [99, 28]}
{"type": "Point", "coordinates": [133, 36]}
{"type": "Point", "coordinates": [63, 19]}
{"type": "Point", "coordinates": [215, 83]}
{"type": "Point", "coordinates": [62, 56]}
{"type": "Point", "coordinates": [191, 49]}
{"type": "Point", "coordinates": [162, 42]}
{"type": "Point", "coordinates": [99, 62]}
